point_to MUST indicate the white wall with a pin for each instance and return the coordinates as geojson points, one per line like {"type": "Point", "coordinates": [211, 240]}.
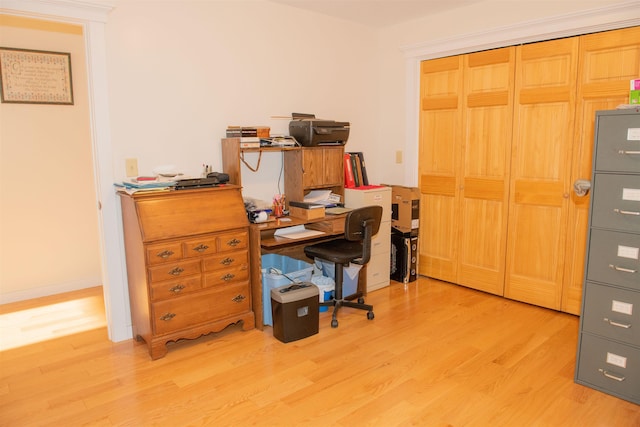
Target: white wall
{"type": "Point", "coordinates": [49, 241]}
{"type": "Point", "coordinates": [181, 72]}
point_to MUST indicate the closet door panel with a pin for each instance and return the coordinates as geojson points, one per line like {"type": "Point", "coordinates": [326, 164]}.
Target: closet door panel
{"type": "Point", "coordinates": [440, 151]}
{"type": "Point", "coordinates": [540, 171]}
{"type": "Point", "coordinates": [607, 61]}
{"type": "Point", "coordinates": [483, 205]}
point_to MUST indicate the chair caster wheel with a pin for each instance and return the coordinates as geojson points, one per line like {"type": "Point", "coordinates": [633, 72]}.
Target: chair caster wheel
{"type": "Point", "coordinates": [370, 315]}
{"type": "Point", "coordinates": [334, 323]}
{"type": "Point", "coordinates": [360, 300]}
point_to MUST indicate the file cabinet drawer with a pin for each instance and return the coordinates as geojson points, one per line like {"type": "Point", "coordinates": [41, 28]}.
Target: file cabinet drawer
{"type": "Point", "coordinates": [618, 144]}
{"type": "Point", "coordinates": [612, 312]}
{"type": "Point", "coordinates": [614, 258]}
{"type": "Point", "coordinates": [616, 202]}
{"type": "Point", "coordinates": [611, 366]}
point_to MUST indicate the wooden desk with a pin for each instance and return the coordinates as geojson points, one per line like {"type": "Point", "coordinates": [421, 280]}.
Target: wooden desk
{"type": "Point", "coordinates": [262, 241]}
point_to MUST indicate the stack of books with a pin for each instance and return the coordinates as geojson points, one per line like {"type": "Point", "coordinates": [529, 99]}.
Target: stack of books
{"type": "Point", "coordinates": [355, 171]}
{"type": "Point", "coordinates": [249, 135]}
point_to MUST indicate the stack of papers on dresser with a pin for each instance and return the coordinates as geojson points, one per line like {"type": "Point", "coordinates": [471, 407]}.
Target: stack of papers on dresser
{"type": "Point", "coordinates": [296, 232]}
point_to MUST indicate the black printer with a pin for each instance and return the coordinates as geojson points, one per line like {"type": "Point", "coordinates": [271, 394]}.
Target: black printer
{"type": "Point", "coordinates": [309, 131]}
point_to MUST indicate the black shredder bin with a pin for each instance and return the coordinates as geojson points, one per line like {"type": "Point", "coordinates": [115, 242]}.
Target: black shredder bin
{"type": "Point", "coordinates": [295, 311]}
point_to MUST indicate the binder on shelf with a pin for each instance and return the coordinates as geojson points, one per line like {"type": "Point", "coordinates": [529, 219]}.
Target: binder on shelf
{"type": "Point", "coordinates": [354, 166]}
{"type": "Point", "coordinates": [349, 181]}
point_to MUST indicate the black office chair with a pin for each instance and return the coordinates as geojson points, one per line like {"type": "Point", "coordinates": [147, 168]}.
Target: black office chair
{"type": "Point", "coordinates": [360, 226]}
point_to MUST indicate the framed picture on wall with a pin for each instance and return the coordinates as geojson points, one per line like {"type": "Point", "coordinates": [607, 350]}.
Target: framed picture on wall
{"type": "Point", "coordinates": [35, 76]}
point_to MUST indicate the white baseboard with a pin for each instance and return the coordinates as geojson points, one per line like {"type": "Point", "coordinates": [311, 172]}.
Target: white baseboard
{"type": "Point", "coordinates": [47, 290]}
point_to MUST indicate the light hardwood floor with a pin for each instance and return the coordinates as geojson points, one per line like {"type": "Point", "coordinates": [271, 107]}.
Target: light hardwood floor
{"type": "Point", "coordinates": [436, 354]}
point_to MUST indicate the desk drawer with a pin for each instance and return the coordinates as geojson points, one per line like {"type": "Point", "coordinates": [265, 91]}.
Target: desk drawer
{"type": "Point", "coordinates": [233, 241]}
{"type": "Point", "coordinates": [226, 260]}
{"type": "Point", "coordinates": [163, 252]}
{"type": "Point", "coordinates": [223, 277]}
{"type": "Point", "coordinates": [609, 365]}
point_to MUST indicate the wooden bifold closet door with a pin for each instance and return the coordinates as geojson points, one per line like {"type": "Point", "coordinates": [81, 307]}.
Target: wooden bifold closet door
{"type": "Point", "coordinates": [504, 134]}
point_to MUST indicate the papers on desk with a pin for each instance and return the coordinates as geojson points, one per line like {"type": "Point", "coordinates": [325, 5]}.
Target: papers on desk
{"type": "Point", "coordinates": [296, 232]}
{"type": "Point", "coordinates": [322, 197]}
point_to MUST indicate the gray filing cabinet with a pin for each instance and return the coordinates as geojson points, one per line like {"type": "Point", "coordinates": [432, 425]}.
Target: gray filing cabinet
{"type": "Point", "coordinates": [609, 344]}
{"type": "Point", "coordinates": [378, 267]}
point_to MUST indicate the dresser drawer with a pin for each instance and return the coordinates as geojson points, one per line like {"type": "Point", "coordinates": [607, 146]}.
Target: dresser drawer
{"type": "Point", "coordinates": [229, 275]}
{"type": "Point", "coordinates": [163, 252]}
{"type": "Point", "coordinates": [609, 365]}
{"type": "Point", "coordinates": [616, 202]}
{"type": "Point", "coordinates": [612, 312]}
{"type": "Point", "coordinates": [199, 247]}
{"type": "Point", "coordinates": [173, 270]}
{"type": "Point", "coordinates": [200, 307]}
{"type": "Point", "coordinates": [618, 143]}
{"type": "Point", "coordinates": [614, 258]}
{"type": "Point", "coordinates": [233, 241]}
{"type": "Point", "coordinates": [174, 288]}
{"type": "Point", "coordinates": [226, 260]}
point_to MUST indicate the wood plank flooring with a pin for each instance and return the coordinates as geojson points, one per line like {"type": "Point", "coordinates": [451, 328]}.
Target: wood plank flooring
{"type": "Point", "coordinates": [436, 355]}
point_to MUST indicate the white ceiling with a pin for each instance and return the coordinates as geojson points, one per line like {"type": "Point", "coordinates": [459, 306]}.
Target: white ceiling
{"type": "Point", "coordinates": [377, 13]}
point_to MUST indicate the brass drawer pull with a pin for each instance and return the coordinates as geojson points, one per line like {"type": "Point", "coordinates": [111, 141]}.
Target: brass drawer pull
{"type": "Point", "coordinates": [176, 289]}
{"type": "Point", "coordinates": [624, 270]}
{"type": "Point", "coordinates": [238, 298]}
{"type": "Point", "coordinates": [168, 316]}
{"type": "Point", "coordinates": [176, 271]}
{"type": "Point", "coordinates": [619, 325]}
{"type": "Point", "coordinates": [228, 277]}
{"type": "Point", "coordinates": [201, 248]}
{"type": "Point", "coordinates": [234, 242]}
{"type": "Point", "coordinates": [165, 254]}
{"type": "Point", "coordinates": [621, 212]}
{"type": "Point", "coordinates": [227, 261]}
{"type": "Point", "coordinates": [610, 375]}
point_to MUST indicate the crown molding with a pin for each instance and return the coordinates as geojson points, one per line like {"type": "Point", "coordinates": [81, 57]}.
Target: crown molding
{"type": "Point", "coordinates": [66, 9]}
{"type": "Point", "coordinates": [601, 19]}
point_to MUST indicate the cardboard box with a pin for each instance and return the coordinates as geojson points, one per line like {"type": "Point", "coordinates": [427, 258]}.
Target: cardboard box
{"type": "Point", "coordinates": [306, 214]}
{"type": "Point", "coordinates": [405, 209]}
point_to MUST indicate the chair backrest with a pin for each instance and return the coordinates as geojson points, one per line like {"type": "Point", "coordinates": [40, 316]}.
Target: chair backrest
{"type": "Point", "coordinates": [361, 225]}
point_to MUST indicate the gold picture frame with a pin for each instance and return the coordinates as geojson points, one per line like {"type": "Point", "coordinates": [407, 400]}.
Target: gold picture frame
{"type": "Point", "coordinates": [35, 77]}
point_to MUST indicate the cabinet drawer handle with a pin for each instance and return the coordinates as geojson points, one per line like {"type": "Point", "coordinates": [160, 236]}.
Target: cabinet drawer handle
{"type": "Point", "coordinates": [176, 271]}
{"type": "Point", "coordinates": [234, 242]}
{"type": "Point", "coordinates": [228, 277]}
{"type": "Point", "coordinates": [165, 254]}
{"type": "Point", "coordinates": [227, 261]}
{"type": "Point", "coordinates": [201, 248]}
{"type": "Point", "coordinates": [176, 289]}
{"type": "Point", "coordinates": [624, 270]}
{"type": "Point", "coordinates": [628, 152]}
{"type": "Point", "coordinates": [618, 324]}
{"type": "Point", "coordinates": [621, 212]}
{"type": "Point", "coordinates": [168, 316]}
{"type": "Point", "coordinates": [238, 298]}
{"type": "Point", "coordinates": [610, 375]}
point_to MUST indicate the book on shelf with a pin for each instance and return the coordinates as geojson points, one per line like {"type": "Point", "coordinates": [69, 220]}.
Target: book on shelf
{"type": "Point", "coordinates": [355, 170]}
{"type": "Point", "coordinates": [249, 143]}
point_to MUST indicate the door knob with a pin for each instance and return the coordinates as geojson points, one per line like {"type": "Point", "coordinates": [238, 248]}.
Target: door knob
{"type": "Point", "coordinates": [581, 187]}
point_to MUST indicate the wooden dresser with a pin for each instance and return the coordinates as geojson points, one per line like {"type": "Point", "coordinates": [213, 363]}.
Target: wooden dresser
{"type": "Point", "coordinates": [187, 257]}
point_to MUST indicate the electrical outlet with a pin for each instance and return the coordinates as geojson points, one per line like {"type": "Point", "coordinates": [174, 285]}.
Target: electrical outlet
{"type": "Point", "coordinates": [399, 156]}
{"type": "Point", "coordinates": [131, 167]}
